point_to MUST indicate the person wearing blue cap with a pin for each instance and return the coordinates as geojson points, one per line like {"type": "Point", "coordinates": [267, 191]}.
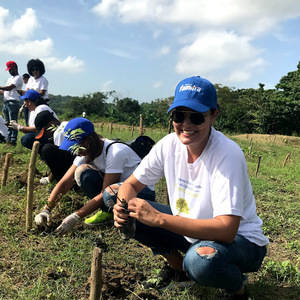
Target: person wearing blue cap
{"type": "Point", "coordinates": [211, 217]}
{"type": "Point", "coordinates": [95, 167]}
{"type": "Point", "coordinates": [35, 105]}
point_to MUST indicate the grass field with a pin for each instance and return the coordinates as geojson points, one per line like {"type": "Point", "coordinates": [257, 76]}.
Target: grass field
{"type": "Point", "coordinates": [40, 265]}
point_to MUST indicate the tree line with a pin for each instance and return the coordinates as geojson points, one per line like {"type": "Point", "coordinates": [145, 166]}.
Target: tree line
{"type": "Point", "coordinates": [271, 111]}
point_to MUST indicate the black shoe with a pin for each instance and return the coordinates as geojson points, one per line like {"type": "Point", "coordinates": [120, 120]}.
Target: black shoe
{"type": "Point", "coordinates": [244, 296]}
{"type": "Point", "coordinates": [164, 278]}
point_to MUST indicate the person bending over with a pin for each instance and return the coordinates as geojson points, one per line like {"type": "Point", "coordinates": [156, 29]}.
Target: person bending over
{"type": "Point", "coordinates": [35, 105]}
{"type": "Point", "coordinates": [93, 170]}
{"type": "Point", "coordinates": [212, 216]}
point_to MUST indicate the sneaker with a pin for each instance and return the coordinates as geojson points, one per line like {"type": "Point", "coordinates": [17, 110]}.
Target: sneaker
{"type": "Point", "coordinates": [165, 276]}
{"type": "Point", "coordinates": [244, 296]}
{"type": "Point", "coordinates": [44, 180]}
{"type": "Point", "coordinates": [99, 217]}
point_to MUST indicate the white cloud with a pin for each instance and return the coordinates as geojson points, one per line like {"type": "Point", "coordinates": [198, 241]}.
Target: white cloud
{"type": "Point", "coordinates": [157, 84]}
{"type": "Point", "coordinates": [164, 50]}
{"type": "Point", "coordinates": [215, 38]}
{"type": "Point", "coordinates": [69, 64]}
{"type": "Point", "coordinates": [35, 48]}
{"type": "Point", "coordinates": [156, 34]}
{"type": "Point", "coordinates": [16, 39]}
{"type": "Point", "coordinates": [245, 15]}
{"type": "Point", "coordinates": [220, 52]}
{"type": "Point", "coordinates": [25, 25]}
{"type": "Point", "coordinates": [119, 53]}
{"type": "Point", "coordinates": [107, 85]}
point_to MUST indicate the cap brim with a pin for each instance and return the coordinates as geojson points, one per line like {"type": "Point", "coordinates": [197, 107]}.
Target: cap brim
{"type": "Point", "coordinates": [67, 144]}
{"type": "Point", "coordinates": [189, 103]}
{"type": "Point", "coordinates": [40, 134]}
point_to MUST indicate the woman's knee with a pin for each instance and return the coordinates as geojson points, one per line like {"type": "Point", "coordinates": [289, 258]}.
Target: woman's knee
{"type": "Point", "coordinates": [89, 179]}
{"type": "Point", "coordinates": [79, 171]}
{"type": "Point", "coordinates": [199, 262]}
{"type": "Point", "coordinates": [110, 195]}
{"type": "Point", "coordinates": [27, 140]}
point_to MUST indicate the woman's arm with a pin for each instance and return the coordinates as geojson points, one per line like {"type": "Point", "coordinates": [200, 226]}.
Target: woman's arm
{"type": "Point", "coordinates": [62, 187]}
{"type": "Point", "coordinates": [97, 201]}
{"type": "Point", "coordinates": [221, 228]}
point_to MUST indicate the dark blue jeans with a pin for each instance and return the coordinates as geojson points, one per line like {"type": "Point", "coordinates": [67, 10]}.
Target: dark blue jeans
{"type": "Point", "coordinates": [10, 111]}
{"type": "Point", "coordinates": [91, 182]}
{"type": "Point", "coordinates": [26, 115]}
{"type": "Point", "coordinates": [222, 269]}
{"type": "Point", "coordinates": [28, 139]}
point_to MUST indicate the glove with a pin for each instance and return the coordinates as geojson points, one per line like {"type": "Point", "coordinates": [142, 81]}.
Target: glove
{"type": "Point", "coordinates": [14, 125]}
{"type": "Point", "coordinates": [43, 219]}
{"type": "Point", "coordinates": [68, 223]}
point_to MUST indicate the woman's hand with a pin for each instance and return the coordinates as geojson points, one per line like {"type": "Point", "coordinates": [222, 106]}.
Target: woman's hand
{"type": "Point", "coordinates": [140, 210]}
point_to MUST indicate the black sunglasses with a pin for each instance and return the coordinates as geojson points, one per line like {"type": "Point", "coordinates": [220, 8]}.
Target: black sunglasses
{"type": "Point", "coordinates": [196, 118]}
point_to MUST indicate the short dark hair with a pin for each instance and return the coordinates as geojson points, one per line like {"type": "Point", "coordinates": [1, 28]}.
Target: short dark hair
{"type": "Point", "coordinates": [26, 76]}
{"type": "Point", "coordinates": [35, 64]}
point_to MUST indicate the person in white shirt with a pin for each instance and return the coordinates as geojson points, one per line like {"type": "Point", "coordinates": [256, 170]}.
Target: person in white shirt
{"type": "Point", "coordinates": [25, 78]}
{"type": "Point", "coordinates": [93, 170]}
{"type": "Point", "coordinates": [37, 81]}
{"type": "Point", "coordinates": [3, 130]}
{"type": "Point", "coordinates": [35, 105]}
{"type": "Point", "coordinates": [11, 103]}
{"type": "Point", "coordinates": [212, 216]}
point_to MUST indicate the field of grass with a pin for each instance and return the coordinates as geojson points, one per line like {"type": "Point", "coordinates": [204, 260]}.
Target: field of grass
{"type": "Point", "coordinates": [41, 265]}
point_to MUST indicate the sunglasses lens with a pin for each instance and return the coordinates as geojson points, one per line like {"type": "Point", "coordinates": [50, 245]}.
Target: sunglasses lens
{"type": "Point", "coordinates": [178, 116]}
{"type": "Point", "coordinates": [197, 118]}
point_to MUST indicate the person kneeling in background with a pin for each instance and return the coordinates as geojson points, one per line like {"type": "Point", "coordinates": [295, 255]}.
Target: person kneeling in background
{"type": "Point", "coordinates": [35, 105]}
{"type": "Point", "coordinates": [58, 160]}
{"type": "Point", "coordinates": [93, 169]}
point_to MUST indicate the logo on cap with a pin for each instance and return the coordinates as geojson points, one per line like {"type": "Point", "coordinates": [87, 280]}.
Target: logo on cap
{"type": "Point", "coordinates": [189, 87]}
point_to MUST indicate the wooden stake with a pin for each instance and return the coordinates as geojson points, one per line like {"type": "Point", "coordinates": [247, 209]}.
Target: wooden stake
{"type": "Point", "coordinates": [111, 128]}
{"type": "Point", "coordinates": [141, 125]}
{"type": "Point", "coordinates": [30, 179]}
{"type": "Point", "coordinates": [288, 156]}
{"type": "Point", "coordinates": [258, 165]}
{"type": "Point", "coordinates": [132, 130]}
{"type": "Point", "coordinates": [96, 275]}
{"type": "Point", "coordinates": [8, 157]}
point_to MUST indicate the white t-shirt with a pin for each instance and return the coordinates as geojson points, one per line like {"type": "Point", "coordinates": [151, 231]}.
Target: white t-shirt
{"type": "Point", "coordinates": [217, 183]}
{"type": "Point", "coordinates": [58, 134]}
{"type": "Point", "coordinates": [13, 94]}
{"type": "Point", "coordinates": [3, 128]}
{"type": "Point", "coordinates": [40, 83]}
{"type": "Point", "coordinates": [38, 109]}
{"type": "Point", "coordinates": [119, 159]}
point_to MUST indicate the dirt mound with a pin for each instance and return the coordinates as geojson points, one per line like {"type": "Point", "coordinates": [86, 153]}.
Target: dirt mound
{"type": "Point", "coordinates": [270, 138]}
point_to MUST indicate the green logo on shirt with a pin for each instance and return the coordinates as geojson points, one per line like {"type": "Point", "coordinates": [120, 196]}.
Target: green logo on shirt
{"type": "Point", "coordinates": [182, 206]}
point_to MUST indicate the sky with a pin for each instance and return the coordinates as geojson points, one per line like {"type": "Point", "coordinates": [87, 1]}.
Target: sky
{"type": "Point", "coordinates": [143, 48]}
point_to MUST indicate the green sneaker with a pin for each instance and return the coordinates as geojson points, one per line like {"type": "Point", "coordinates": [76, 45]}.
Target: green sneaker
{"type": "Point", "coordinates": [99, 217]}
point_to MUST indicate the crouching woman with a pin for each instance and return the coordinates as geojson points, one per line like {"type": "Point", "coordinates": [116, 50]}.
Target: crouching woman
{"type": "Point", "coordinates": [212, 213]}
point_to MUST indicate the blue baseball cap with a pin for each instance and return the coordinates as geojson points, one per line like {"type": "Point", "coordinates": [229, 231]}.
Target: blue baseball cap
{"type": "Point", "coordinates": [75, 131]}
{"type": "Point", "coordinates": [31, 95]}
{"type": "Point", "coordinates": [196, 93]}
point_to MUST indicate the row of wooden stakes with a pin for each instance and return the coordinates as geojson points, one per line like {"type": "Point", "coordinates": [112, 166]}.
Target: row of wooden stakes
{"type": "Point", "coordinates": [96, 263]}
